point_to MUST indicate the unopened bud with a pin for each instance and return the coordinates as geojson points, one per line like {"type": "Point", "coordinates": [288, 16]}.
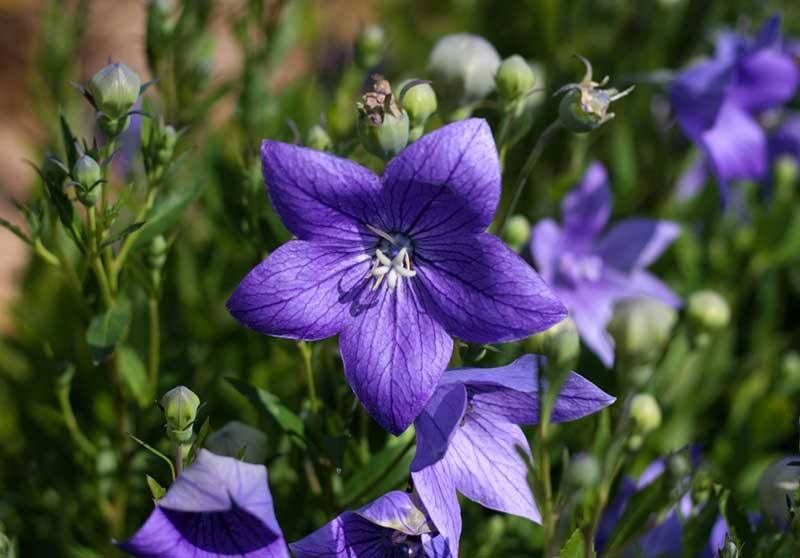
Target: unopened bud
{"type": "Point", "coordinates": [777, 487]}
{"type": "Point", "coordinates": [419, 101]}
{"type": "Point", "coordinates": [729, 549]}
{"type": "Point", "coordinates": [583, 471]}
{"type": "Point", "coordinates": [645, 413]}
{"type": "Point", "coordinates": [517, 232]}
{"type": "Point", "coordinates": [514, 78]}
{"type": "Point", "coordinates": [708, 310]}
{"type": "Point", "coordinates": [369, 46]}
{"type": "Point", "coordinates": [317, 138]}
{"type": "Point", "coordinates": [382, 126]}
{"type": "Point", "coordinates": [678, 465]}
{"type": "Point", "coordinates": [115, 90]}
{"type": "Point", "coordinates": [236, 439]}
{"type": "Point", "coordinates": [157, 252]}
{"type": "Point", "coordinates": [560, 344]}
{"type": "Point", "coordinates": [86, 172]}
{"type": "Point", "coordinates": [641, 328]}
{"type": "Point", "coordinates": [180, 407]}
{"type": "Point", "coordinates": [786, 171]}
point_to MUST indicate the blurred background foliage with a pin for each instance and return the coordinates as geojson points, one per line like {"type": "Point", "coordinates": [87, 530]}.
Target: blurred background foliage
{"type": "Point", "coordinates": [237, 72]}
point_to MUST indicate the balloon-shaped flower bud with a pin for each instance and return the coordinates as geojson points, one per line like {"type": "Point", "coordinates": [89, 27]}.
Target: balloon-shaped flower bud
{"type": "Point", "coordinates": [180, 406]}
{"type": "Point", "coordinates": [778, 485]}
{"type": "Point", "coordinates": [166, 147]}
{"type": "Point", "coordinates": [418, 100]}
{"type": "Point", "coordinates": [157, 252]}
{"type": "Point", "coordinates": [514, 78]}
{"type": "Point", "coordinates": [645, 413]}
{"type": "Point", "coordinates": [238, 440]}
{"type": "Point", "coordinates": [517, 232]}
{"type": "Point", "coordinates": [583, 471]}
{"type": "Point", "coordinates": [708, 310]}
{"type": "Point", "coordinates": [317, 138]}
{"type": "Point", "coordinates": [463, 67]}
{"type": "Point", "coordinates": [86, 175]}
{"type": "Point", "coordinates": [678, 465]}
{"type": "Point", "coordinates": [382, 126]}
{"type": "Point", "coordinates": [729, 549]}
{"type": "Point", "coordinates": [560, 344]}
{"type": "Point", "coordinates": [115, 90]}
{"type": "Point", "coordinates": [369, 46]}
{"type": "Point", "coordinates": [584, 106]}
{"type": "Point", "coordinates": [641, 328]}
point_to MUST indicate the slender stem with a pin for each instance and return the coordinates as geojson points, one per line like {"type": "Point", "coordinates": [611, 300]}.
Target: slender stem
{"type": "Point", "coordinates": [45, 254]}
{"type": "Point", "coordinates": [178, 459]}
{"type": "Point", "coordinates": [96, 262]}
{"type": "Point", "coordinates": [527, 168]}
{"type": "Point", "coordinates": [305, 352]}
{"type": "Point", "coordinates": [127, 244]}
{"type": "Point", "coordinates": [154, 357]}
{"type": "Point", "coordinates": [71, 422]}
{"type": "Point", "coordinates": [548, 400]}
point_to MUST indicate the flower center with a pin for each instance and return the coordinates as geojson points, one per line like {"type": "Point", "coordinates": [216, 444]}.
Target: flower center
{"type": "Point", "coordinates": [576, 267]}
{"type": "Point", "coordinates": [413, 548]}
{"type": "Point", "coordinates": [392, 259]}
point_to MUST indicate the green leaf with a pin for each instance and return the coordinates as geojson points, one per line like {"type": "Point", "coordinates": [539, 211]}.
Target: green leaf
{"type": "Point", "coordinates": [574, 547]}
{"type": "Point", "coordinates": [106, 330]}
{"type": "Point", "coordinates": [116, 237]}
{"type": "Point", "coordinates": [155, 452]}
{"type": "Point", "coordinates": [166, 212]}
{"type": "Point", "coordinates": [69, 142]}
{"type": "Point", "coordinates": [651, 500]}
{"type": "Point", "coordinates": [134, 375]}
{"type": "Point", "coordinates": [270, 406]}
{"type": "Point", "coordinates": [385, 471]}
{"type": "Point", "coordinates": [156, 489]}
{"type": "Point", "coordinates": [16, 231]}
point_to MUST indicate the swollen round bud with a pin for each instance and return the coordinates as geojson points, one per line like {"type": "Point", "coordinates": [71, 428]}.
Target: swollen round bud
{"type": "Point", "coordinates": [369, 46]}
{"type": "Point", "coordinates": [645, 413]}
{"type": "Point", "coordinates": [786, 170]}
{"type": "Point", "coordinates": [463, 67]}
{"type": "Point", "coordinates": [115, 90]}
{"type": "Point", "coordinates": [180, 406]}
{"type": "Point", "coordinates": [236, 439]}
{"type": "Point", "coordinates": [517, 232]}
{"type": "Point", "coordinates": [382, 126]}
{"type": "Point", "coordinates": [514, 78]}
{"type": "Point", "coordinates": [86, 172]}
{"type": "Point", "coordinates": [729, 549]}
{"type": "Point", "coordinates": [169, 137]}
{"type": "Point", "coordinates": [560, 344]}
{"type": "Point", "coordinates": [317, 138]}
{"type": "Point", "coordinates": [157, 252]}
{"type": "Point", "coordinates": [778, 482]}
{"type": "Point", "coordinates": [419, 101]}
{"type": "Point", "coordinates": [641, 328]}
{"type": "Point", "coordinates": [678, 466]}
{"type": "Point", "coordinates": [583, 471]}
{"type": "Point", "coordinates": [708, 310]}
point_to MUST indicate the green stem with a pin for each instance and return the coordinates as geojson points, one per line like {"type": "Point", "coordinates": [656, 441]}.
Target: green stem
{"type": "Point", "coordinates": [45, 254]}
{"type": "Point", "coordinates": [305, 352]}
{"type": "Point", "coordinates": [71, 422]}
{"type": "Point", "coordinates": [178, 459]}
{"type": "Point", "coordinates": [127, 244]}
{"type": "Point", "coordinates": [96, 262]}
{"type": "Point", "coordinates": [527, 168]}
{"type": "Point", "coordinates": [154, 357]}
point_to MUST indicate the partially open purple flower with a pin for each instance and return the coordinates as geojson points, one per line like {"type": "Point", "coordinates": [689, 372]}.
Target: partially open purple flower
{"type": "Point", "coordinates": [218, 507]}
{"type": "Point", "coordinates": [390, 527]}
{"type": "Point", "coordinates": [395, 265]}
{"type": "Point", "coordinates": [716, 101]}
{"type": "Point", "coordinates": [468, 439]}
{"type": "Point", "coordinates": [590, 272]}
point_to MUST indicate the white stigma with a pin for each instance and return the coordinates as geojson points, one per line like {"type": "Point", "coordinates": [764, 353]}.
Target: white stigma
{"type": "Point", "coordinates": [390, 268]}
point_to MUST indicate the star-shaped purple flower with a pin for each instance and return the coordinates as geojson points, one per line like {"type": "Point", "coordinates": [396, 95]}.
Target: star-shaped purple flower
{"type": "Point", "coordinates": [395, 265]}
{"type": "Point", "coordinates": [390, 527]}
{"type": "Point", "coordinates": [589, 272]}
{"type": "Point", "coordinates": [716, 101]}
{"type": "Point", "coordinates": [219, 507]}
{"type": "Point", "coordinates": [468, 439]}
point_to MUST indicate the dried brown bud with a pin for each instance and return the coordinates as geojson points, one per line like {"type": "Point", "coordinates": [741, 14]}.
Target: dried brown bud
{"type": "Point", "coordinates": [380, 101]}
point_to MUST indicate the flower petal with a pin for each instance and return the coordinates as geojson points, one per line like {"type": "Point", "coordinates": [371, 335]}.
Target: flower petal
{"type": "Point", "coordinates": [697, 94]}
{"type": "Point", "coordinates": [546, 247]}
{"type": "Point", "coordinates": [587, 207]}
{"type": "Point", "coordinates": [317, 195]}
{"type": "Point", "coordinates": [482, 291]}
{"type": "Point", "coordinates": [764, 79]}
{"type": "Point", "coordinates": [691, 182]}
{"type": "Point", "coordinates": [347, 536]}
{"type": "Point", "coordinates": [460, 158]}
{"type": "Point", "coordinates": [437, 424]}
{"type": "Point", "coordinates": [436, 490]}
{"type": "Point", "coordinates": [646, 284]}
{"type": "Point", "coordinates": [394, 354]}
{"type": "Point", "coordinates": [395, 510]}
{"type": "Point", "coordinates": [303, 290]}
{"type": "Point", "coordinates": [591, 306]}
{"type": "Point", "coordinates": [636, 243]}
{"type": "Point", "coordinates": [786, 139]}
{"type": "Point", "coordinates": [435, 547]}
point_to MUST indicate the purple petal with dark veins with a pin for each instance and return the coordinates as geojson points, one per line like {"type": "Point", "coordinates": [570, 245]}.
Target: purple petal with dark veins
{"type": "Point", "coordinates": [348, 536]}
{"type": "Point", "coordinates": [394, 354]}
{"type": "Point", "coordinates": [587, 207]}
{"type": "Point", "coordinates": [482, 291]}
{"type": "Point", "coordinates": [303, 290]}
{"type": "Point", "coordinates": [317, 195]}
{"type": "Point", "coordinates": [436, 490]}
{"type": "Point", "coordinates": [636, 243]}
{"type": "Point", "coordinates": [460, 158]}
{"type": "Point", "coordinates": [437, 424]}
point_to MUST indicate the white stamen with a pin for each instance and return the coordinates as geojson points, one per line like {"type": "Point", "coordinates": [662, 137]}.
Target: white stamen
{"type": "Point", "coordinates": [391, 268]}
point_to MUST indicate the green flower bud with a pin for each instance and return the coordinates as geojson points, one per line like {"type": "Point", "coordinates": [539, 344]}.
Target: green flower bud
{"type": "Point", "coordinates": [560, 344]}
{"type": "Point", "coordinates": [419, 101]}
{"type": "Point", "coordinates": [583, 471]}
{"type": "Point", "coordinates": [641, 328]}
{"type": "Point", "coordinates": [317, 138]}
{"type": "Point", "coordinates": [729, 549]}
{"type": "Point", "coordinates": [169, 137]}
{"type": "Point", "coordinates": [180, 406]}
{"type": "Point", "coordinates": [115, 90]}
{"type": "Point", "coordinates": [369, 46]}
{"type": "Point", "coordinates": [514, 78]}
{"type": "Point", "coordinates": [235, 437]}
{"type": "Point", "coordinates": [157, 252]}
{"type": "Point", "coordinates": [786, 172]}
{"type": "Point", "coordinates": [708, 310]}
{"type": "Point", "coordinates": [382, 127]}
{"type": "Point", "coordinates": [678, 465]}
{"type": "Point", "coordinates": [462, 67]}
{"type": "Point", "coordinates": [86, 172]}
{"type": "Point", "coordinates": [517, 232]}
{"type": "Point", "coordinates": [779, 481]}
{"type": "Point", "coordinates": [585, 106]}
{"type": "Point", "coordinates": [645, 413]}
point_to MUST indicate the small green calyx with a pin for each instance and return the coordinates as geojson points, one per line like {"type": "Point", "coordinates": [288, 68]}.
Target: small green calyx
{"type": "Point", "coordinates": [180, 407]}
{"type": "Point", "coordinates": [115, 90]}
{"type": "Point", "coordinates": [317, 138]}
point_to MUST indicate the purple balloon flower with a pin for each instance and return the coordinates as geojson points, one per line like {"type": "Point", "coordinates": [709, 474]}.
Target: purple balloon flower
{"type": "Point", "coordinates": [392, 526]}
{"type": "Point", "coordinates": [218, 507]}
{"type": "Point", "coordinates": [468, 439]}
{"type": "Point", "coordinates": [716, 101]}
{"type": "Point", "coordinates": [395, 265]}
{"type": "Point", "coordinates": [588, 272]}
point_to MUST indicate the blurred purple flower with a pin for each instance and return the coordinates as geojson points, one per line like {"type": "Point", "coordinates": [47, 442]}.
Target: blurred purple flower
{"type": "Point", "coordinates": [218, 507]}
{"type": "Point", "coordinates": [786, 138]}
{"type": "Point", "coordinates": [590, 273]}
{"type": "Point", "coordinates": [717, 101]}
{"type": "Point", "coordinates": [390, 527]}
{"type": "Point", "coordinates": [395, 265]}
{"type": "Point", "coordinates": [468, 439]}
